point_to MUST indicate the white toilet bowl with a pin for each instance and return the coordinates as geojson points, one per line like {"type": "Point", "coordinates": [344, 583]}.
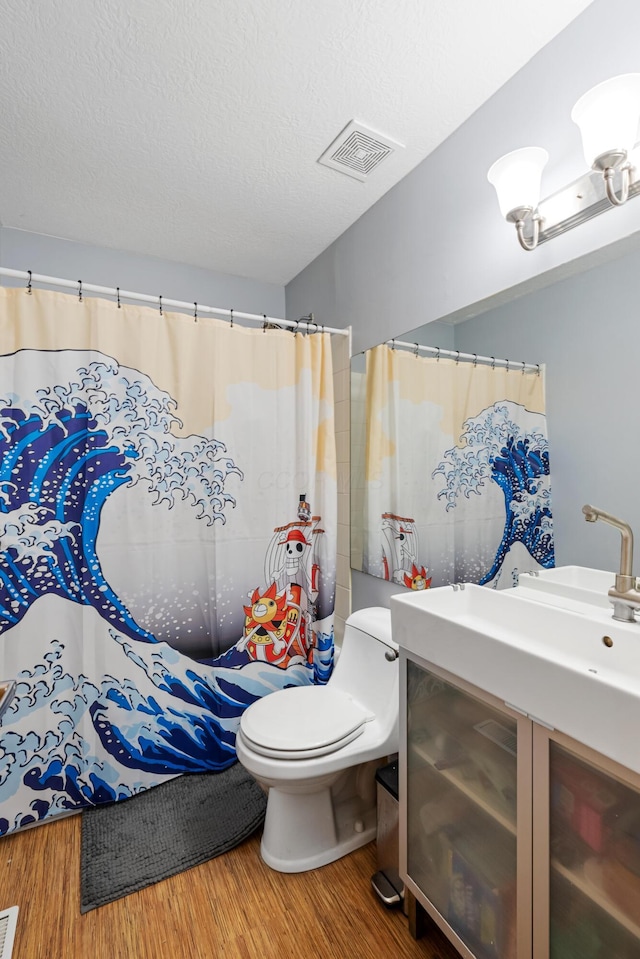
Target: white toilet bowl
{"type": "Point", "coordinates": [316, 749]}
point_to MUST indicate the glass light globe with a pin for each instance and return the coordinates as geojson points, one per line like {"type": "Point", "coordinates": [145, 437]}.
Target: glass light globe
{"type": "Point", "coordinates": [516, 177]}
{"type": "Point", "coordinates": [608, 116]}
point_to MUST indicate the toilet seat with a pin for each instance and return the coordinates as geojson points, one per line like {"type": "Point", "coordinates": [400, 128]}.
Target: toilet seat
{"type": "Point", "coordinates": [303, 722]}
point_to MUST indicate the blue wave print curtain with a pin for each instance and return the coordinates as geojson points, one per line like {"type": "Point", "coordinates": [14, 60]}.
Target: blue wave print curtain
{"type": "Point", "coordinates": [457, 484]}
{"type": "Point", "coordinates": [167, 541]}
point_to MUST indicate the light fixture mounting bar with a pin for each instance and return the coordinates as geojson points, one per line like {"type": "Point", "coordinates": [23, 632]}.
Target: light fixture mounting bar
{"type": "Point", "coordinates": [576, 203]}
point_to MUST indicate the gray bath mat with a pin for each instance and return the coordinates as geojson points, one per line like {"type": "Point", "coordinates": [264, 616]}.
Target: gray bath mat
{"type": "Point", "coordinates": [158, 833]}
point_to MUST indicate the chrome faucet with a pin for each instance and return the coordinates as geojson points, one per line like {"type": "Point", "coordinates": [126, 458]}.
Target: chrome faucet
{"type": "Point", "coordinates": [624, 594]}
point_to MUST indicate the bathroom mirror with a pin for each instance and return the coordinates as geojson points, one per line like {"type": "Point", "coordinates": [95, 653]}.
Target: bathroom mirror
{"type": "Point", "coordinates": [583, 331]}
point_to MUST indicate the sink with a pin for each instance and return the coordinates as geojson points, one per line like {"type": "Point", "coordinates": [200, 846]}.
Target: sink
{"type": "Point", "coordinates": [578, 584]}
{"type": "Point", "coordinates": [575, 671]}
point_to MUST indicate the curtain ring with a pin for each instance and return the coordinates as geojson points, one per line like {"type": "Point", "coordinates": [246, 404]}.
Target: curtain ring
{"type": "Point", "coordinates": [538, 369]}
{"type": "Point", "coordinates": [118, 297]}
{"type": "Point", "coordinates": [507, 362]}
{"type": "Point", "coordinates": [264, 322]}
{"type": "Point", "coordinates": [195, 311]}
{"type": "Point", "coordinates": [475, 360]}
{"type": "Point", "coordinates": [231, 311]}
{"type": "Point", "coordinates": [493, 362]}
{"type": "Point", "coordinates": [437, 354]}
{"type": "Point", "coordinates": [523, 366]}
{"type": "Point", "coordinates": [79, 291]}
{"type": "Point", "coordinates": [415, 352]}
{"type": "Point", "coordinates": [393, 344]}
{"type": "Point", "coordinates": [457, 357]}
{"type": "Point", "coordinates": [295, 332]}
{"type": "Point", "coordinates": [160, 299]}
{"type": "Point", "coordinates": [29, 283]}
{"type": "Point", "coordinates": [308, 321]}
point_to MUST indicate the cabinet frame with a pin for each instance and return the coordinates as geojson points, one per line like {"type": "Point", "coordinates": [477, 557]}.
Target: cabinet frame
{"type": "Point", "coordinates": [524, 808]}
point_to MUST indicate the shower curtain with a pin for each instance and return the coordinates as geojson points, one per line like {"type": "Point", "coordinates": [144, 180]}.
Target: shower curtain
{"type": "Point", "coordinates": [167, 541]}
{"type": "Point", "coordinates": [457, 485]}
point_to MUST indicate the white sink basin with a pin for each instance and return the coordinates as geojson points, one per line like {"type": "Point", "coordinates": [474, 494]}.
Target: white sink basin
{"type": "Point", "coordinates": [577, 673]}
{"type": "Point", "coordinates": [579, 584]}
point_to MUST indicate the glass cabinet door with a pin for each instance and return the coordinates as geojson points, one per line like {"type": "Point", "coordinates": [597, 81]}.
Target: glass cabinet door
{"type": "Point", "coordinates": [594, 877]}
{"type": "Point", "coordinates": [461, 811]}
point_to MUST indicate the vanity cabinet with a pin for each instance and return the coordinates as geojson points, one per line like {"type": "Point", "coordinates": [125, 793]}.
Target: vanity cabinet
{"type": "Point", "coordinates": [519, 842]}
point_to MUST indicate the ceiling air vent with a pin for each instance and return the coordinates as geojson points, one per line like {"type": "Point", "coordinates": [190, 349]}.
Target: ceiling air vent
{"type": "Point", "coordinates": [357, 151]}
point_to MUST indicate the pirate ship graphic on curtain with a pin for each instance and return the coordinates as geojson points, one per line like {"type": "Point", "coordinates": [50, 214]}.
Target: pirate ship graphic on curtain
{"type": "Point", "coordinates": [400, 552]}
{"type": "Point", "coordinates": [279, 619]}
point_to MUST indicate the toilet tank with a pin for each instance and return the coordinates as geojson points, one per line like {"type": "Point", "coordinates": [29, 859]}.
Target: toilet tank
{"type": "Point", "coordinates": [367, 667]}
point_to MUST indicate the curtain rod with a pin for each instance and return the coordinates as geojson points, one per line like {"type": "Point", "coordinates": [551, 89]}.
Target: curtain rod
{"type": "Point", "coordinates": [520, 367]}
{"type": "Point", "coordinates": [162, 302]}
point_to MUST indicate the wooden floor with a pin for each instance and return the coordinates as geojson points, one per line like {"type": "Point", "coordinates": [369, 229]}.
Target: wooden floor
{"type": "Point", "coordinates": [232, 906]}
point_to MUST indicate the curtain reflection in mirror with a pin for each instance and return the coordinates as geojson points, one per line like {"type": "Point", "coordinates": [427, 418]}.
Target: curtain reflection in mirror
{"type": "Point", "coordinates": [450, 477]}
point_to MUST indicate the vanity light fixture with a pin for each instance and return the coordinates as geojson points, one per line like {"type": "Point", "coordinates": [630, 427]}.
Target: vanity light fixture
{"type": "Point", "coordinates": [608, 117]}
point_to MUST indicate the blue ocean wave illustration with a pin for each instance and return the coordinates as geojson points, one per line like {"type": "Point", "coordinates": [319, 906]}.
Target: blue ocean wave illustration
{"type": "Point", "coordinates": [103, 709]}
{"type": "Point", "coordinates": [162, 715]}
{"type": "Point", "coordinates": [65, 450]}
{"type": "Point", "coordinates": [495, 447]}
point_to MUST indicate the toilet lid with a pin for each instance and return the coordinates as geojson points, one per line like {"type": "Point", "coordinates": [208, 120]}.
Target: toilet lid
{"type": "Point", "coordinates": [303, 721]}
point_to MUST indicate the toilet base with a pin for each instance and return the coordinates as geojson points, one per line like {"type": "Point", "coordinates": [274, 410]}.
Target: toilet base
{"type": "Point", "coordinates": [309, 827]}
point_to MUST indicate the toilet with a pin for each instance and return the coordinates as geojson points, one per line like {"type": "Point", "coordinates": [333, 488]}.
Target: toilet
{"type": "Point", "coordinates": [316, 750]}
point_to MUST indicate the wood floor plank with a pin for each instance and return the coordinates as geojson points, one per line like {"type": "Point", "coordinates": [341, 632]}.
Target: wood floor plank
{"type": "Point", "coordinates": [233, 907]}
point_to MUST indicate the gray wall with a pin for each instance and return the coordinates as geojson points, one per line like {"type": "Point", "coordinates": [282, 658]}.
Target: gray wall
{"type": "Point", "coordinates": [585, 329]}
{"type": "Point", "coordinates": [20, 250]}
{"type": "Point", "coordinates": [436, 247]}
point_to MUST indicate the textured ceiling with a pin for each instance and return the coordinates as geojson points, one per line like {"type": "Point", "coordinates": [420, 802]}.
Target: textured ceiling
{"type": "Point", "coordinates": [190, 130]}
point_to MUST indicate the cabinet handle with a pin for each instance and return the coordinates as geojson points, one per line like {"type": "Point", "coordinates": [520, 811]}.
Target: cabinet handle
{"type": "Point", "coordinates": [534, 719]}
{"type": "Point", "coordinates": [541, 722]}
{"type": "Point", "coordinates": [516, 709]}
